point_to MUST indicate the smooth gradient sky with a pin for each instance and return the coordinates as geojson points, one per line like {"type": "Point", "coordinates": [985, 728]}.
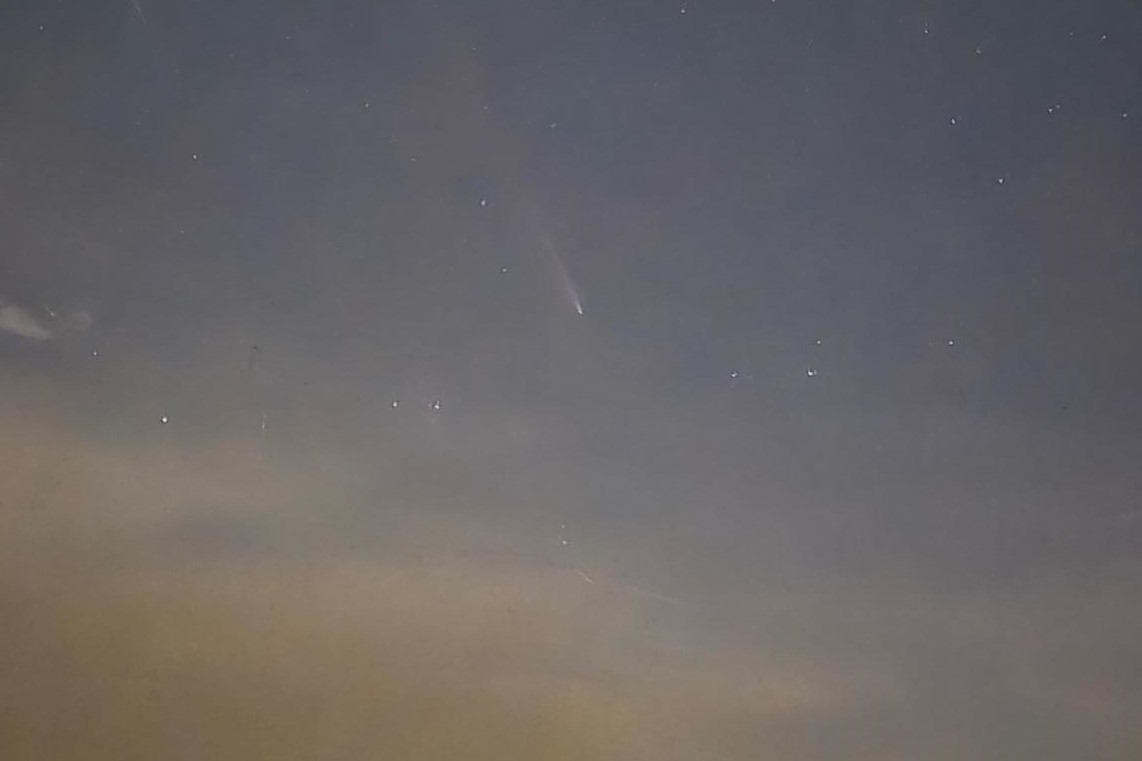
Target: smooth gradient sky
{"type": "Point", "coordinates": [581, 380]}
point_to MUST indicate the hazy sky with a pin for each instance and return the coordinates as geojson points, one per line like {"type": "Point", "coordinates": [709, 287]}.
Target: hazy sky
{"type": "Point", "coordinates": [570, 380]}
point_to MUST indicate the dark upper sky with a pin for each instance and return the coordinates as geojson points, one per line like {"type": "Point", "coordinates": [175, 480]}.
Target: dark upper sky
{"type": "Point", "coordinates": [570, 380]}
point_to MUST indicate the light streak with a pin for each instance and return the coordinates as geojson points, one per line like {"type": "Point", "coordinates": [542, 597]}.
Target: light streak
{"type": "Point", "coordinates": [142, 16]}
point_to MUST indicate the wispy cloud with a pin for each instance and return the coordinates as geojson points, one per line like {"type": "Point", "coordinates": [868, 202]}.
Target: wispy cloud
{"type": "Point", "coordinates": [21, 322]}
{"type": "Point", "coordinates": [42, 326]}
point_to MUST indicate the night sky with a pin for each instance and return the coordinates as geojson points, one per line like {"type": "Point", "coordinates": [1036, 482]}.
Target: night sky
{"type": "Point", "coordinates": [520, 379]}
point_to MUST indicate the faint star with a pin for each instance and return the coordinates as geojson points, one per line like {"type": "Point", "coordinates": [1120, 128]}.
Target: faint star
{"type": "Point", "coordinates": [436, 406]}
{"type": "Point", "coordinates": [953, 121]}
{"type": "Point", "coordinates": [164, 420]}
{"type": "Point", "coordinates": [395, 403]}
{"type": "Point", "coordinates": [811, 372]}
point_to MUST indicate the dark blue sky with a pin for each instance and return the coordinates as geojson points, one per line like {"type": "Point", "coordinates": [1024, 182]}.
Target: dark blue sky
{"type": "Point", "coordinates": [838, 461]}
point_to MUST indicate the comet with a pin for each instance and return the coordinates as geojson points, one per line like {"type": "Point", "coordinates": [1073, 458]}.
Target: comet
{"type": "Point", "coordinates": [565, 280]}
